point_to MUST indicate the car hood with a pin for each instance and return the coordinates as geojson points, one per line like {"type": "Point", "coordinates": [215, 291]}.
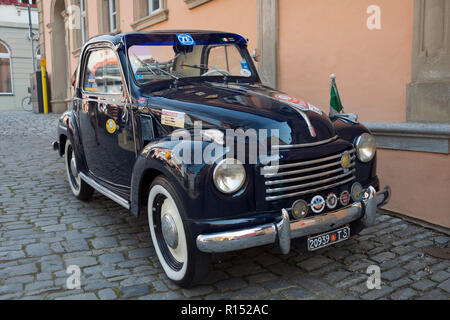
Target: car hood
{"type": "Point", "coordinates": [244, 106]}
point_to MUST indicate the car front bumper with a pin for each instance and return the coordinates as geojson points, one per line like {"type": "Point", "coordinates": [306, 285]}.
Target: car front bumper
{"type": "Point", "coordinates": [283, 231]}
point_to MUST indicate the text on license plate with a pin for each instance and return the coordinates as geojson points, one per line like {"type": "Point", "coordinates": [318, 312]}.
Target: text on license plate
{"type": "Point", "coordinates": [329, 238]}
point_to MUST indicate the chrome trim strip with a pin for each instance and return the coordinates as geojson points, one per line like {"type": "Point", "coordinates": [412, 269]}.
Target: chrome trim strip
{"type": "Point", "coordinates": [311, 184]}
{"type": "Point", "coordinates": [305, 145]}
{"type": "Point", "coordinates": [318, 175]}
{"type": "Point", "coordinates": [290, 173]}
{"type": "Point", "coordinates": [301, 193]}
{"type": "Point", "coordinates": [305, 163]}
{"type": "Point", "coordinates": [106, 192]}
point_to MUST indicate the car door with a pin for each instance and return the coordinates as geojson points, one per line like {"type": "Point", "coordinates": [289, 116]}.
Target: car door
{"type": "Point", "coordinates": [106, 121]}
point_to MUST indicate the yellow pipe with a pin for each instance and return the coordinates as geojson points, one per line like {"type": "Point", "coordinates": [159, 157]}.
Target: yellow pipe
{"type": "Point", "coordinates": [44, 84]}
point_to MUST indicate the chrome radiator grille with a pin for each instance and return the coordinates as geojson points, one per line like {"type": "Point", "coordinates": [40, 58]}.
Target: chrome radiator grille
{"type": "Point", "coordinates": [307, 177]}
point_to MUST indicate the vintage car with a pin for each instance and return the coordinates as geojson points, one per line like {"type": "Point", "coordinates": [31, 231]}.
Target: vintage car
{"type": "Point", "coordinates": [135, 93]}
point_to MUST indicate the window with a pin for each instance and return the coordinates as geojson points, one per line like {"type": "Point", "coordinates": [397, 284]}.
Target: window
{"type": "Point", "coordinates": [5, 70]}
{"type": "Point", "coordinates": [102, 74]}
{"type": "Point", "coordinates": [83, 21]}
{"type": "Point", "coordinates": [149, 12]}
{"type": "Point", "coordinates": [80, 29]}
{"type": "Point", "coordinates": [112, 15]}
{"type": "Point", "coordinates": [108, 14]}
{"type": "Point", "coordinates": [153, 6]}
{"type": "Point", "coordinates": [25, 2]}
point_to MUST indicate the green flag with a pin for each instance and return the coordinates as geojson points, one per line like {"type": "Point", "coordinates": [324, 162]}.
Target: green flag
{"type": "Point", "coordinates": [335, 101]}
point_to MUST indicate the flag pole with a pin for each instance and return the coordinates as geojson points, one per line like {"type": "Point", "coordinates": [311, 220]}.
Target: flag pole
{"type": "Point", "coordinates": [333, 112]}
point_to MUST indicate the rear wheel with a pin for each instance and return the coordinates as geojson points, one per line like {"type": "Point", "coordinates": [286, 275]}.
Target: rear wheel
{"type": "Point", "coordinates": [80, 189]}
{"type": "Point", "coordinates": [182, 262]}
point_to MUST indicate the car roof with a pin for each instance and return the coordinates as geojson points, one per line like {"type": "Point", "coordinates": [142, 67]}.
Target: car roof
{"type": "Point", "coordinates": [116, 38]}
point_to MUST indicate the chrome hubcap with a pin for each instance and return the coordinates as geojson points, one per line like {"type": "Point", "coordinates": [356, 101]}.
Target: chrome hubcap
{"type": "Point", "coordinates": [73, 167]}
{"type": "Point", "coordinates": [169, 230]}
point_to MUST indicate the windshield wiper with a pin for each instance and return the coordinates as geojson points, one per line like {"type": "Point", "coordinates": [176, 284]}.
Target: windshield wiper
{"type": "Point", "coordinates": [150, 67]}
{"type": "Point", "coordinates": [204, 66]}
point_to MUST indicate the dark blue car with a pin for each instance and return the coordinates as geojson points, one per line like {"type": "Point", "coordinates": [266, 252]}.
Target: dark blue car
{"type": "Point", "coordinates": [178, 122]}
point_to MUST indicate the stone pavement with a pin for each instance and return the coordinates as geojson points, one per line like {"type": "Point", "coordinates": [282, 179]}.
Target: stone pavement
{"type": "Point", "coordinates": [44, 229]}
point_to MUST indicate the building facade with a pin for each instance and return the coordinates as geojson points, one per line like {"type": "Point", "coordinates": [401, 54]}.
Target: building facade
{"type": "Point", "coordinates": [16, 63]}
{"type": "Point", "coordinates": [391, 58]}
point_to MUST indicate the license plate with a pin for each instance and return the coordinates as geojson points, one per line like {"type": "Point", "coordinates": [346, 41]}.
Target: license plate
{"type": "Point", "coordinates": [327, 239]}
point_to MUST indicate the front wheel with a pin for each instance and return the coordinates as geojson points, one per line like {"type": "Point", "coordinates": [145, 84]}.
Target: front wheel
{"type": "Point", "coordinates": [80, 189]}
{"type": "Point", "coordinates": [182, 262]}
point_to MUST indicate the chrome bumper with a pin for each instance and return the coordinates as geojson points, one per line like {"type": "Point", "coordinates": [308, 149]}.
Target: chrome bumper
{"type": "Point", "coordinates": [285, 230]}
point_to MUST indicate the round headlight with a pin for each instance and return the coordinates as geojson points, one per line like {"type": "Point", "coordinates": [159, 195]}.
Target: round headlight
{"type": "Point", "coordinates": [366, 147]}
{"type": "Point", "coordinates": [229, 176]}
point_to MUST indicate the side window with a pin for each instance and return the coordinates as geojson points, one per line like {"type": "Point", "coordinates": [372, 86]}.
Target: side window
{"type": "Point", "coordinates": [102, 73]}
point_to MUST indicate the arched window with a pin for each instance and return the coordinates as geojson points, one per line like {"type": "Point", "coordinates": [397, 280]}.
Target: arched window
{"type": "Point", "coordinates": [5, 70]}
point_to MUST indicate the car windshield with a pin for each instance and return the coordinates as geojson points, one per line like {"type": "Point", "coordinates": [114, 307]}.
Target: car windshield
{"type": "Point", "coordinates": [155, 62]}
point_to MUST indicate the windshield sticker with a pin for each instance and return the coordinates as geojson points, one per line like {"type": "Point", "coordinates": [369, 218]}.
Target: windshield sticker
{"type": "Point", "coordinates": [139, 76]}
{"type": "Point", "coordinates": [186, 39]}
{"type": "Point", "coordinates": [245, 73]}
{"type": "Point", "coordinates": [228, 39]}
{"type": "Point", "coordinates": [172, 118]}
{"type": "Point", "coordinates": [244, 65]}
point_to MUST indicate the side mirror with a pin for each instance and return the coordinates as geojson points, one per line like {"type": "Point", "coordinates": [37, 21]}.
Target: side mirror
{"type": "Point", "coordinates": [256, 54]}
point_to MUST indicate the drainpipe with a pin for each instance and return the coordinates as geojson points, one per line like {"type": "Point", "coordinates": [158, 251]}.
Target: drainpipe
{"type": "Point", "coordinates": [31, 37]}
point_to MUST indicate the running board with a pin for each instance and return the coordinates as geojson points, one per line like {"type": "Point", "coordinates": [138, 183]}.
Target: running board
{"type": "Point", "coordinates": [106, 192]}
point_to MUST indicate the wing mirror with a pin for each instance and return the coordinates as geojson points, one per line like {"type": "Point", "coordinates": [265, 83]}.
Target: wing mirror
{"type": "Point", "coordinates": [256, 54]}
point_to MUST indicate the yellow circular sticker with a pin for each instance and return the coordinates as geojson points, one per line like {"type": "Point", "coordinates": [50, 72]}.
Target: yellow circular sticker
{"type": "Point", "coordinates": [111, 126]}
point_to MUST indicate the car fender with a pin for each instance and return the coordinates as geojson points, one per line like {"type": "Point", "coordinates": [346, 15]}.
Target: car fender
{"type": "Point", "coordinates": [192, 181]}
{"type": "Point", "coordinates": [68, 129]}
{"type": "Point", "coordinates": [157, 158]}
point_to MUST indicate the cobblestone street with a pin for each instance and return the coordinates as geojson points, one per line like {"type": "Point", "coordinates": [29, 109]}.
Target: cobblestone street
{"type": "Point", "coordinates": [44, 229]}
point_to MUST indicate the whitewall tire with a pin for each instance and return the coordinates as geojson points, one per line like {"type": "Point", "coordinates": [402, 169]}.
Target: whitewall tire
{"type": "Point", "coordinates": [179, 257]}
{"type": "Point", "coordinates": [80, 189]}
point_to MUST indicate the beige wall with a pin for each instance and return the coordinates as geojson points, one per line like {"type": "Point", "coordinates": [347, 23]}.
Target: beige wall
{"type": "Point", "coordinates": [318, 38]}
{"type": "Point", "coordinates": [420, 184]}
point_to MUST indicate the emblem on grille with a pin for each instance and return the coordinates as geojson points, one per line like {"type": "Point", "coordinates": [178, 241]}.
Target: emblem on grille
{"type": "Point", "coordinates": [346, 161]}
{"type": "Point", "coordinates": [318, 204]}
{"type": "Point", "coordinates": [299, 209]}
{"type": "Point", "coordinates": [332, 201]}
{"type": "Point", "coordinates": [357, 191]}
{"type": "Point", "coordinates": [345, 198]}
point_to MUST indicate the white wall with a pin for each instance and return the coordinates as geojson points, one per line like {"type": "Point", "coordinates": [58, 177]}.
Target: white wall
{"type": "Point", "coordinates": [14, 33]}
{"type": "Point", "coordinates": [16, 14]}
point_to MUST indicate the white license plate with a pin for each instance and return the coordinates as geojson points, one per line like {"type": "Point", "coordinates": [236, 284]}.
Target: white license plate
{"type": "Point", "coordinates": [327, 239]}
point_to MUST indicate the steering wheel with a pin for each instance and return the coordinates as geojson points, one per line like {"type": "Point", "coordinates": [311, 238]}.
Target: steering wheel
{"type": "Point", "coordinates": [216, 72]}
